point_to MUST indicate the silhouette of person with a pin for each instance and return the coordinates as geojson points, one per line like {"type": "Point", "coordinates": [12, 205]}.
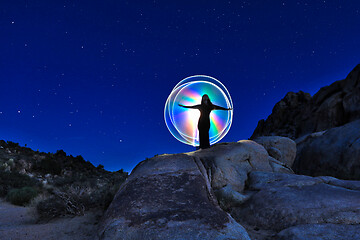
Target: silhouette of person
{"type": "Point", "coordinates": [205, 109]}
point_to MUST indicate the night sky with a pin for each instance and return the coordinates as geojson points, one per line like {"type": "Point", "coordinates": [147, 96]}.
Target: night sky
{"type": "Point", "coordinates": [92, 77]}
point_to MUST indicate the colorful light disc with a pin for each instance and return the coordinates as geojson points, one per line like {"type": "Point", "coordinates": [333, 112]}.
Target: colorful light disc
{"type": "Point", "coordinates": [182, 122]}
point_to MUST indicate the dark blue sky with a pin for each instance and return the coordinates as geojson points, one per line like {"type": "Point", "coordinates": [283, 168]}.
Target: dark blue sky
{"type": "Point", "coordinates": [92, 77]}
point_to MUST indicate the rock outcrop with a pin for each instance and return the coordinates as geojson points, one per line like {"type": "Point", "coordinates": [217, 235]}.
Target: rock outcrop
{"type": "Point", "coordinates": [287, 203]}
{"type": "Point", "coordinates": [334, 152]}
{"type": "Point", "coordinates": [281, 148]}
{"type": "Point", "coordinates": [183, 196]}
{"type": "Point", "coordinates": [167, 197]}
{"type": "Point", "coordinates": [231, 191]}
{"type": "Point", "coordinates": [298, 114]}
{"type": "Point", "coordinates": [324, 127]}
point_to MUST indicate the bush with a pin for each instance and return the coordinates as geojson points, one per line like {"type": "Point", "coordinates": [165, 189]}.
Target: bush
{"type": "Point", "coordinates": [82, 193]}
{"type": "Point", "coordinates": [60, 153]}
{"type": "Point", "coordinates": [60, 204]}
{"type": "Point", "coordinates": [62, 181]}
{"type": "Point", "coordinates": [11, 144]}
{"type": "Point", "coordinates": [50, 208]}
{"type": "Point", "coordinates": [48, 165]}
{"type": "Point", "coordinates": [9, 180]}
{"type": "Point", "coordinates": [21, 196]}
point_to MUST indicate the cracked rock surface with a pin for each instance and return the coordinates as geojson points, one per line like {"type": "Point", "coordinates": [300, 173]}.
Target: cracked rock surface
{"type": "Point", "coordinates": [184, 196]}
{"type": "Point", "coordinates": [166, 197]}
{"type": "Point", "coordinates": [334, 152]}
{"type": "Point", "coordinates": [231, 191]}
{"type": "Point", "coordinates": [284, 201]}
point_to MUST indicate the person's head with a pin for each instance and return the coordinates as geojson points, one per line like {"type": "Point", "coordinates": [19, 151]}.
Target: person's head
{"type": "Point", "coordinates": [205, 99]}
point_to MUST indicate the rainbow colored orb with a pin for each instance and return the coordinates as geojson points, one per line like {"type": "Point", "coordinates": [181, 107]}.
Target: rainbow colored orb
{"type": "Point", "coordinates": [182, 122]}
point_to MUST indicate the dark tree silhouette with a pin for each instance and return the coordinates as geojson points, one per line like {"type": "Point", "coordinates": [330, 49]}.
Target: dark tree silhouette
{"type": "Point", "coordinates": [205, 109]}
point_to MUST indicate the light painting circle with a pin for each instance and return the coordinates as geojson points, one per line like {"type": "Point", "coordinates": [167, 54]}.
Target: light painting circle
{"type": "Point", "coordinates": [182, 122]}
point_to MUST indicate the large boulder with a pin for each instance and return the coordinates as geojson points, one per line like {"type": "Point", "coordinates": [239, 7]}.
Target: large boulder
{"type": "Point", "coordinates": [183, 196]}
{"type": "Point", "coordinates": [298, 114]}
{"type": "Point", "coordinates": [229, 163]}
{"type": "Point", "coordinates": [282, 149]}
{"type": "Point", "coordinates": [229, 191]}
{"type": "Point", "coordinates": [282, 201]}
{"type": "Point", "coordinates": [227, 167]}
{"type": "Point", "coordinates": [334, 152]}
{"type": "Point", "coordinates": [167, 197]}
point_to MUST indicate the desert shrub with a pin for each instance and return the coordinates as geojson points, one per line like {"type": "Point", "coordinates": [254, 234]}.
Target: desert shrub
{"type": "Point", "coordinates": [50, 208]}
{"type": "Point", "coordinates": [75, 178]}
{"type": "Point", "coordinates": [84, 193]}
{"type": "Point", "coordinates": [11, 144]}
{"type": "Point", "coordinates": [80, 191]}
{"type": "Point", "coordinates": [87, 193]}
{"type": "Point", "coordinates": [60, 153]}
{"type": "Point", "coordinates": [9, 180]}
{"type": "Point", "coordinates": [21, 196]}
{"type": "Point", "coordinates": [59, 204]}
{"type": "Point", "coordinates": [62, 181]}
{"type": "Point", "coordinates": [48, 165]}
{"type": "Point", "coordinates": [40, 197]}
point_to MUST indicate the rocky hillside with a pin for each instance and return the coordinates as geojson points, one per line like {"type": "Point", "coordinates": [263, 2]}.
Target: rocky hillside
{"type": "Point", "coordinates": [298, 114]}
{"type": "Point", "coordinates": [57, 184]}
{"type": "Point", "coordinates": [325, 128]}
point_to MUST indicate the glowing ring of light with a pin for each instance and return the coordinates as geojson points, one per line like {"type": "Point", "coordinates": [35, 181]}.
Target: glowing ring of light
{"type": "Point", "coordinates": [182, 122]}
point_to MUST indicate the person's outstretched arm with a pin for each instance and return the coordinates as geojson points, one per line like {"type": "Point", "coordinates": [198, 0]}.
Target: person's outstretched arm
{"type": "Point", "coordinates": [216, 107]}
{"type": "Point", "coordinates": [195, 106]}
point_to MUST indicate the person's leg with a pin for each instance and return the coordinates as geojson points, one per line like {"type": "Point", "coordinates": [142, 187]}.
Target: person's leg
{"type": "Point", "coordinates": [204, 127]}
{"type": "Point", "coordinates": [204, 139]}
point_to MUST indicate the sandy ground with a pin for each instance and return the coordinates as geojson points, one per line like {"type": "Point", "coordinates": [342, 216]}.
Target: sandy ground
{"type": "Point", "coordinates": [18, 223]}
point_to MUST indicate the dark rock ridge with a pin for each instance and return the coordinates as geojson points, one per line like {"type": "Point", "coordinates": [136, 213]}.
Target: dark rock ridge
{"type": "Point", "coordinates": [325, 128]}
{"type": "Point", "coordinates": [298, 114]}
